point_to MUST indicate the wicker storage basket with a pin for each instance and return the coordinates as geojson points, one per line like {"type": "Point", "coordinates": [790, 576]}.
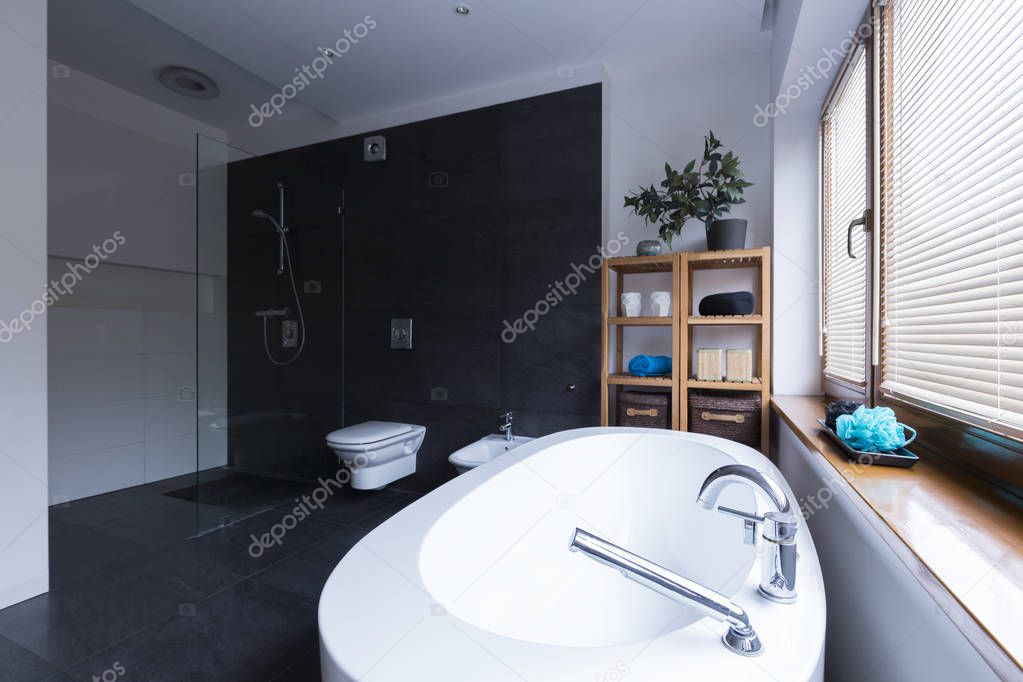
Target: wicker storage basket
{"type": "Point", "coordinates": [639, 408]}
{"type": "Point", "coordinates": [734, 415]}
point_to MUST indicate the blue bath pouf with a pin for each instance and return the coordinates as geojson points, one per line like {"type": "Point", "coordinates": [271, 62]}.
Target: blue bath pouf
{"type": "Point", "coordinates": [873, 429]}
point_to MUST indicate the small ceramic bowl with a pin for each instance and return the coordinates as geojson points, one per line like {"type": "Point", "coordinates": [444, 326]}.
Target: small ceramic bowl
{"type": "Point", "coordinates": [648, 247]}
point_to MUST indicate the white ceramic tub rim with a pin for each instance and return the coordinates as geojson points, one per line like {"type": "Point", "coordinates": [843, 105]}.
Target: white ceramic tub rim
{"type": "Point", "coordinates": [379, 584]}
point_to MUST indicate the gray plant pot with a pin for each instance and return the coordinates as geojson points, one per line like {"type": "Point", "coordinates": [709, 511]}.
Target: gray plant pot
{"type": "Point", "coordinates": [727, 234]}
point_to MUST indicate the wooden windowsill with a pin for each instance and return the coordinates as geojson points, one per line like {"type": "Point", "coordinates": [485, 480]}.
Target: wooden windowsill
{"type": "Point", "coordinates": [966, 535]}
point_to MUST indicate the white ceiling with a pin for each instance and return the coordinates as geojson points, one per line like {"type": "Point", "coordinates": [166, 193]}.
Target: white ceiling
{"type": "Point", "coordinates": [419, 49]}
{"type": "Point", "coordinates": [122, 45]}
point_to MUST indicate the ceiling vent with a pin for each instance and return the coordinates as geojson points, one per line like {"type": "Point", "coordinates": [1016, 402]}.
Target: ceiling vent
{"type": "Point", "coordinates": [188, 82]}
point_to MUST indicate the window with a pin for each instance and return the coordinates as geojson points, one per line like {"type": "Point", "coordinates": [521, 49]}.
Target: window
{"type": "Point", "coordinates": [952, 208]}
{"type": "Point", "coordinates": [845, 185]}
{"type": "Point", "coordinates": [930, 109]}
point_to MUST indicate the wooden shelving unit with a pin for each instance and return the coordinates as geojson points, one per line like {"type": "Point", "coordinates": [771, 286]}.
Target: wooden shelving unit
{"type": "Point", "coordinates": [611, 320]}
{"type": "Point", "coordinates": [684, 268]}
{"type": "Point", "coordinates": [760, 320]}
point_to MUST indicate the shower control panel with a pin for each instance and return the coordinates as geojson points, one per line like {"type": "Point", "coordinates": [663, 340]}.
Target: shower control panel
{"type": "Point", "coordinates": [289, 334]}
{"type": "Point", "coordinates": [401, 333]}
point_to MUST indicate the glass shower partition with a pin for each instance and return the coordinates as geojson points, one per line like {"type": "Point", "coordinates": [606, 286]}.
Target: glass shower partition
{"type": "Point", "coordinates": [211, 262]}
{"type": "Point", "coordinates": [269, 328]}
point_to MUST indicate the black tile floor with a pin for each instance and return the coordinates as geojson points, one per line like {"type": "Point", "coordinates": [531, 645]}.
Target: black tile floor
{"type": "Point", "coordinates": [135, 597]}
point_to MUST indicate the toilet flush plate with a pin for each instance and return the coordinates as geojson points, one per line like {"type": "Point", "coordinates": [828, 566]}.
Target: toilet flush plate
{"type": "Point", "coordinates": [401, 333]}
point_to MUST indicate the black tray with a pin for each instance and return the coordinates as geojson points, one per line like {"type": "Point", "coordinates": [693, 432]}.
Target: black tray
{"type": "Point", "coordinates": [896, 458]}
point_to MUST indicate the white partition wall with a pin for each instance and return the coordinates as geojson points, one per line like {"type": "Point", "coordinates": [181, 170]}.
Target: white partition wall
{"type": "Point", "coordinates": [122, 350]}
{"type": "Point", "coordinates": [23, 466]}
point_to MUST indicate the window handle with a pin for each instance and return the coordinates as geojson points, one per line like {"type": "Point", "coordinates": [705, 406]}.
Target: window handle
{"type": "Point", "coordinates": [863, 220]}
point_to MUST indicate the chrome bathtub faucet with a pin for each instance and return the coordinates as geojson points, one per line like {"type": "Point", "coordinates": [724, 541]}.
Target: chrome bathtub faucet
{"type": "Point", "coordinates": [779, 526]}
{"type": "Point", "coordinates": [740, 638]}
{"type": "Point", "coordinates": [505, 426]}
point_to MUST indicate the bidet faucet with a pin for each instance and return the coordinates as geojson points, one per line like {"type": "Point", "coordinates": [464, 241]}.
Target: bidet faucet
{"type": "Point", "coordinates": [779, 526]}
{"type": "Point", "coordinates": [505, 426]}
{"type": "Point", "coordinates": [740, 638]}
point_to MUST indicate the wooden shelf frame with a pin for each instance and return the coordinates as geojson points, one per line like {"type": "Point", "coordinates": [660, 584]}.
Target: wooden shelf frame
{"type": "Point", "coordinates": [639, 265]}
{"type": "Point", "coordinates": [755, 386]}
{"type": "Point", "coordinates": [642, 321]}
{"type": "Point", "coordinates": [725, 320]}
{"type": "Point", "coordinates": [613, 322]}
{"type": "Point", "coordinates": [759, 321]}
{"type": "Point", "coordinates": [629, 380]}
{"type": "Point", "coordinates": [684, 268]}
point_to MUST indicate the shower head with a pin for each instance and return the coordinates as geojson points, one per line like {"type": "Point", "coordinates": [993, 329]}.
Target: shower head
{"type": "Point", "coordinates": [260, 213]}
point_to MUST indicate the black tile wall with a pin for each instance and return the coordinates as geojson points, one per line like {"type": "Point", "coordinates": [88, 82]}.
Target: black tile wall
{"type": "Point", "coordinates": [469, 223]}
{"type": "Point", "coordinates": [279, 415]}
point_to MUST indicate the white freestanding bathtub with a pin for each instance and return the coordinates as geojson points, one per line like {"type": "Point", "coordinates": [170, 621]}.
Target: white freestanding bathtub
{"type": "Point", "coordinates": [475, 581]}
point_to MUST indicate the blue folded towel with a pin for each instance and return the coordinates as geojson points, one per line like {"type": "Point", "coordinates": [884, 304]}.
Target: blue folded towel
{"type": "Point", "coordinates": [649, 365]}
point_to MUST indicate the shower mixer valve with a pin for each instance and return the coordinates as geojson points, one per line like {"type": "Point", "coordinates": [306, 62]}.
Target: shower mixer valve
{"type": "Point", "coordinates": [289, 334]}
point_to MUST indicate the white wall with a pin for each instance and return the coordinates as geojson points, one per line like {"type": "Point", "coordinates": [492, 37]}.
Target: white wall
{"type": "Point", "coordinates": [122, 380]}
{"type": "Point", "coordinates": [24, 566]}
{"type": "Point", "coordinates": [120, 162]}
{"type": "Point", "coordinates": [806, 37]}
{"type": "Point", "coordinates": [659, 115]}
{"type": "Point", "coordinates": [883, 626]}
{"type": "Point", "coordinates": [797, 361]}
{"type": "Point", "coordinates": [656, 115]}
{"type": "Point", "coordinates": [123, 343]}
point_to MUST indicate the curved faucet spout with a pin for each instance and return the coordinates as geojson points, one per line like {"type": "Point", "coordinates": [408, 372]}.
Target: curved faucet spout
{"type": "Point", "coordinates": [722, 477]}
{"type": "Point", "coordinates": [779, 526]}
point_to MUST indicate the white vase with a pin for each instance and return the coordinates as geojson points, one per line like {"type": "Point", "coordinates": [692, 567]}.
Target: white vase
{"type": "Point", "coordinates": [660, 303]}
{"type": "Point", "coordinates": [632, 304]}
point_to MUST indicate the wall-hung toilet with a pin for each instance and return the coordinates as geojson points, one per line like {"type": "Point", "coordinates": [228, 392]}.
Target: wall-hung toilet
{"type": "Point", "coordinates": [377, 453]}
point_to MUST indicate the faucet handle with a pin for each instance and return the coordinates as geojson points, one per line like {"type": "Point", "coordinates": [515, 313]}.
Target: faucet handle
{"type": "Point", "coordinates": [779, 527]}
{"type": "Point", "coordinates": [741, 514]}
{"type": "Point", "coordinates": [749, 523]}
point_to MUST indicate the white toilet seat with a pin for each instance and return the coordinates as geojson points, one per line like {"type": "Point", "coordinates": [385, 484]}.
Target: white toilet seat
{"type": "Point", "coordinates": [377, 452]}
{"type": "Point", "coordinates": [368, 433]}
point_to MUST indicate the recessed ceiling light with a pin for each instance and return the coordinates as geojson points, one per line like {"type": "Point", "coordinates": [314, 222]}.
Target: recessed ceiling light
{"type": "Point", "coordinates": [188, 82]}
{"type": "Point", "coordinates": [462, 10]}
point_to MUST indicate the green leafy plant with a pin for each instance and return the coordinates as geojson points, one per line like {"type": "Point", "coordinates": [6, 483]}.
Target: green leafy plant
{"type": "Point", "coordinates": [704, 192]}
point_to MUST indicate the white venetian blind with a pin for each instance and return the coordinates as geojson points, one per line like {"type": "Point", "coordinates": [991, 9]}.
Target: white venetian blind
{"type": "Point", "coordinates": [952, 261]}
{"type": "Point", "coordinates": [844, 134]}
